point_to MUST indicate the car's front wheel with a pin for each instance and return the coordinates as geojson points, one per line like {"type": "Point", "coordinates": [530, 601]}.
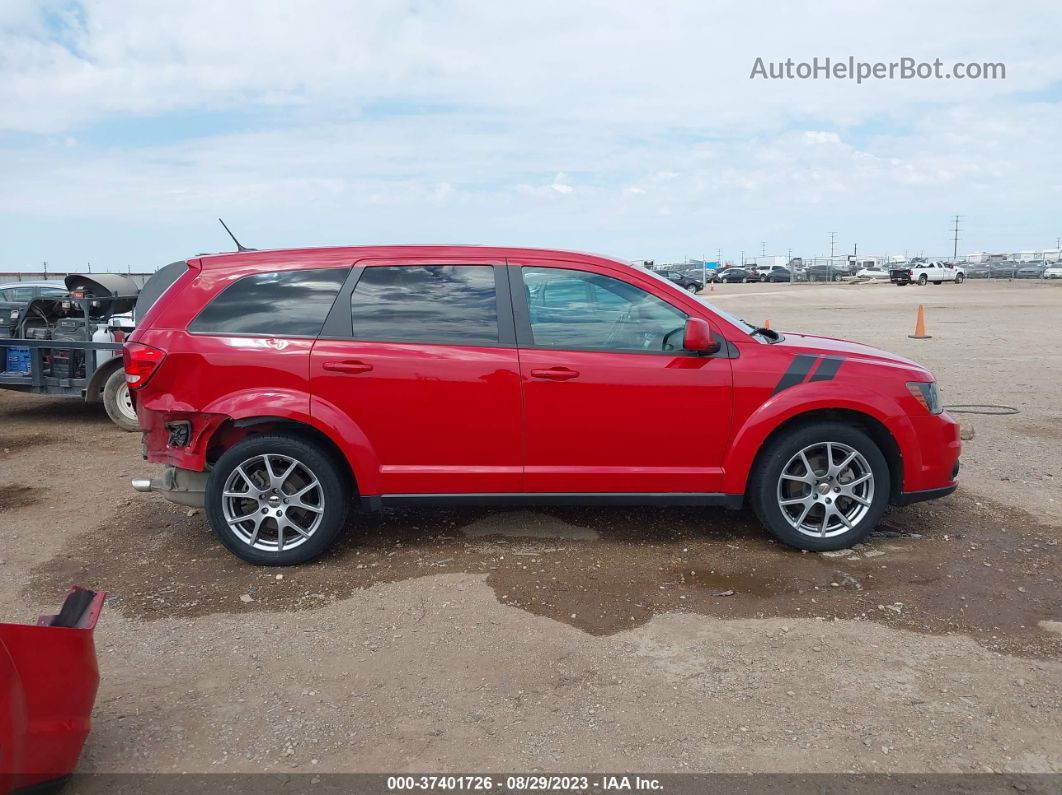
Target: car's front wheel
{"type": "Point", "coordinates": [693, 288]}
{"type": "Point", "coordinates": [959, 278]}
{"type": "Point", "coordinates": [922, 280]}
{"type": "Point", "coordinates": [820, 486]}
{"type": "Point", "coordinates": [276, 500]}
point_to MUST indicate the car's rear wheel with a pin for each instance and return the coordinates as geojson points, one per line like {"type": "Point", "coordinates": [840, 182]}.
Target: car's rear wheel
{"type": "Point", "coordinates": [820, 486]}
{"type": "Point", "coordinates": [276, 500]}
{"type": "Point", "coordinates": [118, 403]}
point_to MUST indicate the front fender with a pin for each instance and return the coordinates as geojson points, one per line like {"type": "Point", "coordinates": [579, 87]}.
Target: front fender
{"type": "Point", "coordinates": [749, 437]}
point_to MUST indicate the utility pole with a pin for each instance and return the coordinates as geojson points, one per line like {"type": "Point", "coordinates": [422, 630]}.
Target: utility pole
{"type": "Point", "coordinates": [45, 269]}
{"type": "Point", "coordinates": [833, 235]}
{"type": "Point", "coordinates": [89, 264]}
{"type": "Point", "coordinates": [742, 258]}
{"type": "Point", "coordinates": [955, 239]}
{"type": "Point", "coordinates": [763, 248]}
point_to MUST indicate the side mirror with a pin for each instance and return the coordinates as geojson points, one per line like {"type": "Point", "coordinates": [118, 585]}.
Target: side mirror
{"type": "Point", "coordinates": [698, 336]}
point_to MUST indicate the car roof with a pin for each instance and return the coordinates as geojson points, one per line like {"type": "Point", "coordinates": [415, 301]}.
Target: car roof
{"type": "Point", "coordinates": [31, 283]}
{"type": "Point", "coordinates": [345, 255]}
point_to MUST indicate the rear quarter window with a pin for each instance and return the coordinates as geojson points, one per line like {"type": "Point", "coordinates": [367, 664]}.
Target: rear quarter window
{"type": "Point", "coordinates": [278, 304]}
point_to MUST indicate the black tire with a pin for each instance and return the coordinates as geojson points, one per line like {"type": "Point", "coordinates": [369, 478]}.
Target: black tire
{"type": "Point", "coordinates": [116, 401]}
{"type": "Point", "coordinates": [959, 278]}
{"type": "Point", "coordinates": [763, 484]}
{"type": "Point", "coordinates": [922, 280]}
{"type": "Point", "coordinates": [335, 494]}
{"type": "Point", "coordinates": [693, 288]}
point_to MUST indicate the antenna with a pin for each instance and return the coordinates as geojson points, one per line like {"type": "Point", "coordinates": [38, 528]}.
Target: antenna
{"type": "Point", "coordinates": [239, 246]}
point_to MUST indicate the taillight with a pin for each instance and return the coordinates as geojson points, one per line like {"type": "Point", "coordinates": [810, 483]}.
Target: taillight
{"type": "Point", "coordinates": [140, 361]}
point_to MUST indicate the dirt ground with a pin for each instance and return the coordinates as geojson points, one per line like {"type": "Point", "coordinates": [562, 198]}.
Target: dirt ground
{"type": "Point", "coordinates": [586, 639]}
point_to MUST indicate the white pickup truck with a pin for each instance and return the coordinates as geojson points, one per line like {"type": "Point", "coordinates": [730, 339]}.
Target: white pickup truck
{"type": "Point", "coordinates": [925, 272]}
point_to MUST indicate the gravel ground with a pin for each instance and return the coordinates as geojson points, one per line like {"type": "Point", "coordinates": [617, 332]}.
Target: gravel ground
{"type": "Point", "coordinates": [578, 639]}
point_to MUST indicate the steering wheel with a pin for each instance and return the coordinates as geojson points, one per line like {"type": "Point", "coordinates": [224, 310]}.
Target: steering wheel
{"type": "Point", "coordinates": [665, 345]}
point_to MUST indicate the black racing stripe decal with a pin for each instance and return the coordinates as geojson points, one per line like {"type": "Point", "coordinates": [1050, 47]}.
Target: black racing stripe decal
{"type": "Point", "coordinates": [827, 368]}
{"type": "Point", "coordinates": [797, 372]}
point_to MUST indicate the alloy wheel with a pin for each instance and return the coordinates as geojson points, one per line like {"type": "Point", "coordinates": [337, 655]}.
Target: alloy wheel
{"type": "Point", "coordinates": [825, 489]}
{"type": "Point", "coordinates": [273, 502]}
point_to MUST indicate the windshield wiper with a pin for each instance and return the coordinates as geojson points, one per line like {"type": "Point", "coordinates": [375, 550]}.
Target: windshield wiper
{"type": "Point", "coordinates": [768, 334]}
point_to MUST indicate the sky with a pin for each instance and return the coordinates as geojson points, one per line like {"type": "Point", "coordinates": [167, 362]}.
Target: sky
{"type": "Point", "coordinates": [627, 128]}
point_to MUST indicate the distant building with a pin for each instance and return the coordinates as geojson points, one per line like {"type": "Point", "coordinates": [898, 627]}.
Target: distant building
{"type": "Point", "coordinates": [767, 261]}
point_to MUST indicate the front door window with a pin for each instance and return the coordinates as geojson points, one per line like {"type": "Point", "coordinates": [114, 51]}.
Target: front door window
{"type": "Point", "coordinates": [579, 310]}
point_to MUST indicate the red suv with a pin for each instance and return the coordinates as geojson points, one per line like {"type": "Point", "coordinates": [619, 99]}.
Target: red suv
{"type": "Point", "coordinates": [281, 386]}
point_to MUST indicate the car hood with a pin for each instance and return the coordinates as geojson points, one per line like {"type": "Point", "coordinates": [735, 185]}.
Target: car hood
{"type": "Point", "coordinates": [806, 343]}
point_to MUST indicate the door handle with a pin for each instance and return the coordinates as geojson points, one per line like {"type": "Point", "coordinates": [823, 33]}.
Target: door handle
{"type": "Point", "coordinates": [352, 366]}
{"type": "Point", "coordinates": [555, 374]}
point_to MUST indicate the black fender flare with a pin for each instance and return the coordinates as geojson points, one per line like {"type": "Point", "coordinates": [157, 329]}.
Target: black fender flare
{"type": "Point", "coordinates": [95, 385]}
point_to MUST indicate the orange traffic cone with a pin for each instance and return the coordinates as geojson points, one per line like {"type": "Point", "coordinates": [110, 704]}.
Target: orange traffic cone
{"type": "Point", "coordinates": [920, 326]}
{"type": "Point", "coordinates": [711, 289]}
{"type": "Point", "coordinates": [766, 324]}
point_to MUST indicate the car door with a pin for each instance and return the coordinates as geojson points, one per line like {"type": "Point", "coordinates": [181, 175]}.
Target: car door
{"type": "Point", "coordinates": [611, 401]}
{"type": "Point", "coordinates": [420, 354]}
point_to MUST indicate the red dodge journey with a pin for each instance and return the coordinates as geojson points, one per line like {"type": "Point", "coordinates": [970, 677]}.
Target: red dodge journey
{"type": "Point", "coordinates": [280, 387]}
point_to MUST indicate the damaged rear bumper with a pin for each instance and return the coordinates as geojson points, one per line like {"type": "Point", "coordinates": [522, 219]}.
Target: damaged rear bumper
{"type": "Point", "coordinates": [48, 681]}
{"type": "Point", "coordinates": [182, 486]}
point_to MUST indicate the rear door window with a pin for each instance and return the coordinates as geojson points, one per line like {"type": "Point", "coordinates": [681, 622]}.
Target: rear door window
{"type": "Point", "coordinates": [281, 304]}
{"type": "Point", "coordinates": [446, 304]}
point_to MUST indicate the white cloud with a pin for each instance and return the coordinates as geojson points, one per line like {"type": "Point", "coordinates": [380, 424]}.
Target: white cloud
{"type": "Point", "coordinates": [626, 127]}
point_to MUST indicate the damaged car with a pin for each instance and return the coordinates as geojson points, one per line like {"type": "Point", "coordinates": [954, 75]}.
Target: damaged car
{"type": "Point", "coordinates": [281, 388]}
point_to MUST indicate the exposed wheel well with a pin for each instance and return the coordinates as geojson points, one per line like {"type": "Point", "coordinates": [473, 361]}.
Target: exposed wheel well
{"type": "Point", "coordinates": [232, 431]}
{"type": "Point", "coordinates": [870, 426]}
